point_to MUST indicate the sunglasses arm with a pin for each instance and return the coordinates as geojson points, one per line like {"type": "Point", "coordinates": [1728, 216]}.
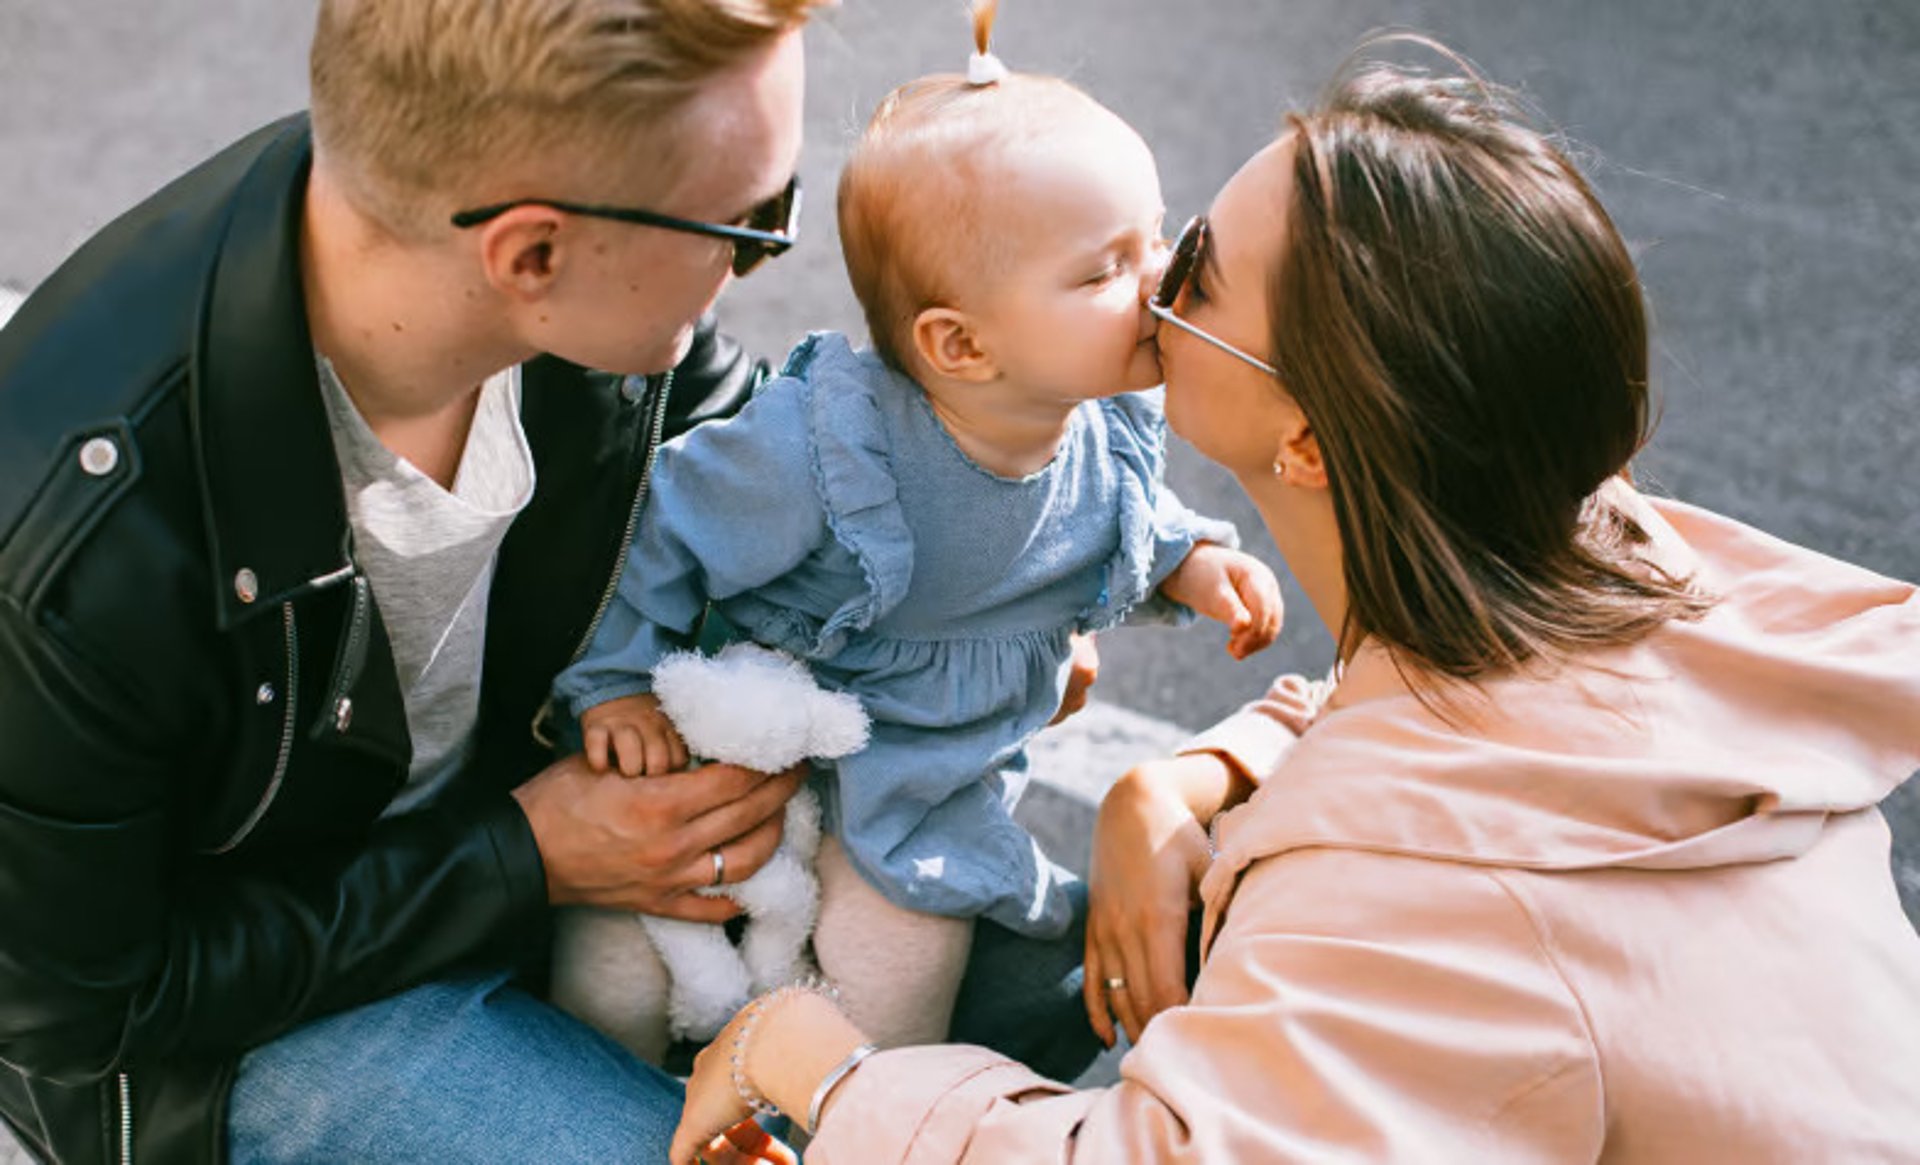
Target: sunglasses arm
{"type": "Point", "coordinates": [1165, 315]}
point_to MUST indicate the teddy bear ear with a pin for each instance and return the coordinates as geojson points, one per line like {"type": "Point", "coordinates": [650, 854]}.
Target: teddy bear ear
{"type": "Point", "coordinates": [839, 725]}
{"type": "Point", "coordinates": [680, 681]}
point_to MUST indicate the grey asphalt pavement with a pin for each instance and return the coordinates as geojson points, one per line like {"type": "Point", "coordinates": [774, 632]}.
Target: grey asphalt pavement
{"type": "Point", "coordinates": [1763, 157]}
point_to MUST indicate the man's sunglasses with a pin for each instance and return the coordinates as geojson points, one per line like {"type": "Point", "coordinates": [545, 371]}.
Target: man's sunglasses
{"type": "Point", "coordinates": [771, 228]}
{"type": "Point", "coordinates": [1188, 253]}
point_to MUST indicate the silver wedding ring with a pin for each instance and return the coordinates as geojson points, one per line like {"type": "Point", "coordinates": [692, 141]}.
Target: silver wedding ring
{"type": "Point", "coordinates": [719, 868]}
{"type": "Point", "coordinates": [1116, 983]}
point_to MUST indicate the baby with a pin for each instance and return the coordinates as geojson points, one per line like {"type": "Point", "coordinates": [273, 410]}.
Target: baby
{"type": "Point", "coordinates": [929, 521]}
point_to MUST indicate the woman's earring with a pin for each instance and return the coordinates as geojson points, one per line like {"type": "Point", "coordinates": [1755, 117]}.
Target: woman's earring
{"type": "Point", "coordinates": [1279, 467]}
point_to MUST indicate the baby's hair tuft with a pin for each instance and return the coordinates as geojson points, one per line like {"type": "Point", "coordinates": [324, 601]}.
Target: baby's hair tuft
{"type": "Point", "coordinates": [984, 12]}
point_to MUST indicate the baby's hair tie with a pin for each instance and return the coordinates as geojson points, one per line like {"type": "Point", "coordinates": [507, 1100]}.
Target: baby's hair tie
{"type": "Point", "coordinates": [985, 69]}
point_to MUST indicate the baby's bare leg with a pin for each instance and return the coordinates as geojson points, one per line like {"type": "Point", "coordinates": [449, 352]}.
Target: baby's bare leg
{"type": "Point", "coordinates": [898, 970]}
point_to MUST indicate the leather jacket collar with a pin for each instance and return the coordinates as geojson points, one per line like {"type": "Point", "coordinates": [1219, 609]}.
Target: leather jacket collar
{"type": "Point", "coordinates": [259, 425]}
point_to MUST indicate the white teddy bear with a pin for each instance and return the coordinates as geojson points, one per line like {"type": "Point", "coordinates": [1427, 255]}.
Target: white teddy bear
{"type": "Point", "coordinates": [665, 978]}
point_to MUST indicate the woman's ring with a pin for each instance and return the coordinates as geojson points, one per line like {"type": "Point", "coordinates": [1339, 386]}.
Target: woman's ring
{"type": "Point", "coordinates": [1116, 983]}
{"type": "Point", "coordinates": [719, 868]}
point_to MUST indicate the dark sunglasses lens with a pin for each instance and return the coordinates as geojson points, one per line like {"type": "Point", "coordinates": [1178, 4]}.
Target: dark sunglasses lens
{"type": "Point", "coordinates": [748, 255]}
{"type": "Point", "coordinates": [775, 215]}
{"type": "Point", "coordinates": [1186, 252]}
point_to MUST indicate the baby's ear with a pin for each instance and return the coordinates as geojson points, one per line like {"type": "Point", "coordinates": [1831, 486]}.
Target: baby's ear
{"type": "Point", "coordinates": [948, 343]}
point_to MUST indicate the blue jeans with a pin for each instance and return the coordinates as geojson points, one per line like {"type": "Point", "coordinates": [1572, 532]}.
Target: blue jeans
{"type": "Point", "coordinates": [477, 1070]}
{"type": "Point", "coordinates": [1021, 996]}
{"type": "Point", "coordinates": [465, 1070]}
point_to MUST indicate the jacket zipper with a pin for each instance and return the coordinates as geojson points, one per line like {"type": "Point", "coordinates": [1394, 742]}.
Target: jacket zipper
{"type": "Point", "coordinates": [126, 1119]}
{"type": "Point", "coordinates": [657, 427]}
{"type": "Point", "coordinates": [287, 722]}
{"type": "Point", "coordinates": [354, 656]}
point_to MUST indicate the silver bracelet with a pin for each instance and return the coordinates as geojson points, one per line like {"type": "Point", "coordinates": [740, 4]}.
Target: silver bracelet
{"type": "Point", "coordinates": [751, 1097]}
{"type": "Point", "coordinates": [828, 1082]}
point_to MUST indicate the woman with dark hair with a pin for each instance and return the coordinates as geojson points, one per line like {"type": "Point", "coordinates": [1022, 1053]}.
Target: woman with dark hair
{"type": "Point", "coordinates": [1577, 856]}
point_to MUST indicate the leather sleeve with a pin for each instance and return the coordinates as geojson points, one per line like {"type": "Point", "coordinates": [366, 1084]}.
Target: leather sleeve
{"type": "Point", "coordinates": [715, 379]}
{"type": "Point", "coordinates": [114, 954]}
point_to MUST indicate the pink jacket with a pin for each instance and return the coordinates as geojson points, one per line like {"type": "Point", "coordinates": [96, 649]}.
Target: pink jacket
{"type": "Point", "coordinates": [1639, 912]}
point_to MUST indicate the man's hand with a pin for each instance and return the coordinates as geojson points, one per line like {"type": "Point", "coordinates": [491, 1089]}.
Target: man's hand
{"type": "Point", "coordinates": [1083, 669]}
{"type": "Point", "coordinates": [1231, 588]}
{"type": "Point", "coordinates": [643, 845]}
{"type": "Point", "coordinates": [632, 734]}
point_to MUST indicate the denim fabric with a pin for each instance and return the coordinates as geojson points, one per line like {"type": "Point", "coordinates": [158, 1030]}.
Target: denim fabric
{"type": "Point", "coordinates": [1021, 996]}
{"type": "Point", "coordinates": [474, 1070]}
{"type": "Point", "coordinates": [836, 519]}
{"type": "Point", "coordinates": [469, 1070]}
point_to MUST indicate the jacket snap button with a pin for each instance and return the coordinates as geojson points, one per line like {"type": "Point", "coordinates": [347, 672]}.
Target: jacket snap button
{"type": "Point", "coordinates": [99, 456]}
{"type": "Point", "coordinates": [264, 695]}
{"type": "Point", "coordinates": [632, 388]}
{"type": "Point", "coordinates": [342, 714]}
{"type": "Point", "coordinates": [246, 585]}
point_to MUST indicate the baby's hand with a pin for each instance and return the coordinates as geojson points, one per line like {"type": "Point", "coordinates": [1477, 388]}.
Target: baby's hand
{"type": "Point", "coordinates": [1231, 588]}
{"type": "Point", "coordinates": [638, 735]}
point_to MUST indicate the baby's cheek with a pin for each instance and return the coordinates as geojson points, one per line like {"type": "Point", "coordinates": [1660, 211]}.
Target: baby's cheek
{"type": "Point", "coordinates": [1149, 360]}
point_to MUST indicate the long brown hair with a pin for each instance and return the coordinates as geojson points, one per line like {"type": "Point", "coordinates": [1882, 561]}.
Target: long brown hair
{"type": "Point", "coordinates": [1463, 327]}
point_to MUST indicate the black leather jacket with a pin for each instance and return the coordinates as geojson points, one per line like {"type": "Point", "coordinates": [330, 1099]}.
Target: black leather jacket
{"type": "Point", "coordinates": [199, 719]}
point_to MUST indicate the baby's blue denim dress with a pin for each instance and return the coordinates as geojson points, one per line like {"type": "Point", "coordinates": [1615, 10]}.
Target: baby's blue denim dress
{"type": "Point", "coordinates": [836, 519]}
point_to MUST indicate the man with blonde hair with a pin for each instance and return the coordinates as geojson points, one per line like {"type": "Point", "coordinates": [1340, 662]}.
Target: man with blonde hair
{"type": "Point", "coordinates": [280, 600]}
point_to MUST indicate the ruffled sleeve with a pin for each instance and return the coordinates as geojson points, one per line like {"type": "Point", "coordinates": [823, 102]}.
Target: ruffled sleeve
{"type": "Point", "coordinates": [1157, 531]}
{"type": "Point", "coordinates": [737, 514]}
{"type": "Point", "coordinates": [731, 506]}
{"type": "Point", "coordinates": [853, 477]}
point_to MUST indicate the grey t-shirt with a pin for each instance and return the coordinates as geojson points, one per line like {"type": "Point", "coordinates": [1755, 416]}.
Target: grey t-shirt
{"type": "Point", "coordinates": [428, 554]}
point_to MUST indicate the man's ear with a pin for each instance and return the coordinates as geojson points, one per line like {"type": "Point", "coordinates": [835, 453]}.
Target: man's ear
{"type": "Point", "coordinates": [521, 251]}
{"type": "Point", "coordinates": [948, 342]}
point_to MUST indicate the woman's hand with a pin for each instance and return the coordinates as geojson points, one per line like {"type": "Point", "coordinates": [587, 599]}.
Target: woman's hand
{"type": "Point", "coordinates": [714, 1107]}
{"type": "Point", "coordinates": [1149, 854]}
{"type": "Point", "coordinates": [798, 1037]}
{"type": "Point", "coordinates": [745, 1144]}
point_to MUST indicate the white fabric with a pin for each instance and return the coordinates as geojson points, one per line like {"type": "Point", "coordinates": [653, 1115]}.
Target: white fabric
{"type": "Point", "coordinates": [985, 69]}
{"type": "Point", "coordinates": [428, 554]}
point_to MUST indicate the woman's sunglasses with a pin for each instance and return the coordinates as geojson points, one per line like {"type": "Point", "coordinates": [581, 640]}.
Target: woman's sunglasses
{"type": "Point", "coordinates": [1188, 253]}
{"type": "Point", "coordinates": [771, 227]}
